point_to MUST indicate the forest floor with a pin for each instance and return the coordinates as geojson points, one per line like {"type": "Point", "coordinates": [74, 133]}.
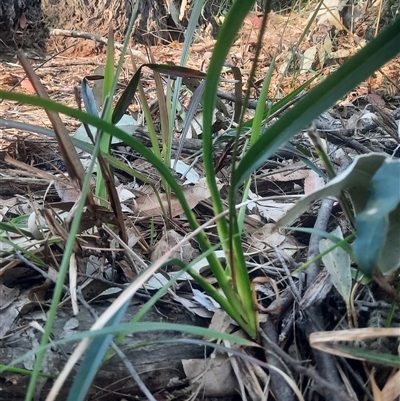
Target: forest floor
{"type": "Point", "coordinates": [361, 120]}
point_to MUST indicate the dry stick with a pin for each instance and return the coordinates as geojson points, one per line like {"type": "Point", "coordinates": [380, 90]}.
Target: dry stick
{"type": "Point", "coordinates": [313, 247]}
{"type": "Point", "coordinates": [356, 376]}
{"type": "Point", "coordinates": [279, 386]}
{"type": "Point", "coordinates": [281, 256]}
{"type": "Point", "coordinates": [96, 38]}
{"type": "Point", "coordinates": [321, 385]}
{"type": "Point", "coordinates": [339, 139]}
{"type": "Point", "coordinates": [325, 362]}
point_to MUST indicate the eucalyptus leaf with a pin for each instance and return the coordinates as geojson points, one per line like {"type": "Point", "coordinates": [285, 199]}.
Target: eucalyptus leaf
{"type": "Point", "coordinates": [127, 124]}
{"type": "Point", "coordinates": [337, 262]}
{"type": "Point", "coordinates": [88, 98]}
{"type": "Point", "coordinates": [355, 179]}
{"type": "Point", "coordinates": [373, 246]}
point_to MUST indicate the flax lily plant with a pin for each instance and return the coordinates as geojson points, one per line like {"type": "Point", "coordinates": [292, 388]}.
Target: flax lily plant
{"type": "Point", "coordinates": [235, 295]}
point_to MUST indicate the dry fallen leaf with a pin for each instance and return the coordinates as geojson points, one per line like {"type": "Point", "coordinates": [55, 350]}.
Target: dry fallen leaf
{"type": "Point", "coordinates": [148, 205]}
{"type": "Point", "coordinates": [312, 182]}
{"type": "Point", "coordinates": [391, 391]}
{"type": "Point", "coordinates": [214, 375]}
{"type": "Point", "coordinates": [171, 238]}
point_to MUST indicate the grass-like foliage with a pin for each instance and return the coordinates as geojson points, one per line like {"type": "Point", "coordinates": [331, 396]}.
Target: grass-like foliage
{"type": "Point", "coordinates": [235, 293]}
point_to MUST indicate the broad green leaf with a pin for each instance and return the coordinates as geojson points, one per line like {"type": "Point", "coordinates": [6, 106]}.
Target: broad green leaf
{"type": "Point", "coordinates": [337, 262]}
{"type": "Point", "coordinates": [376, 219]}
{"type": "Point", "coordinates": [389, 260]}
{"type": "Point", "coordinates": [355, 179]}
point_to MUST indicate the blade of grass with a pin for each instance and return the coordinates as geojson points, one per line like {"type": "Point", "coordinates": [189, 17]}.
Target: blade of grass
{"type": "Point", "coordinates": [231, 26]}
{"type": "Point", "coordinates": [189, 35]}
{"type": "Point", "coordinates": [136, 327]}
{"type": "Point", "coordinates": [23, 372]}
{"type": "Point", "coordinates": [146, 111]}
{"type": "Point", "coordinates": [92, 360]}
{"type": "Point", "coordinates": [256, 131]}
{"type": "Point", "coordinates": [352, 72]}
{"type": "Point", "coordinates": [29, 255]}
{"type": "Point", "coordinates": [13, 228]}
{"type": "Point", "coordinates": [69, 246]}
{"type": "Point", "coordinates": [215, 264]}
{"type": "Point", "coordinates": [103, 137]}
{"type": "Point", "coordinates": [231, 243]}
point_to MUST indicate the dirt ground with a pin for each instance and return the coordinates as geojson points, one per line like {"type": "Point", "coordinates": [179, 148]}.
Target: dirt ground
{"type": "Point", "coordinates": [69, 60]}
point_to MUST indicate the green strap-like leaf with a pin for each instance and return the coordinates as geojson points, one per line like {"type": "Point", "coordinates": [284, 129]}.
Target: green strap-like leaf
{"type": "Point", "coordinates": [358, 68]}
{"type": "Point", "coordinates": [93, 359]}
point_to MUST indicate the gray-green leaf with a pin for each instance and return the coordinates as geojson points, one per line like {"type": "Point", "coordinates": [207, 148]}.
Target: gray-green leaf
{"type": "Point", "coordinates": [378, 225]}
{"type": "Point", "coordinates": [337, 262]}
